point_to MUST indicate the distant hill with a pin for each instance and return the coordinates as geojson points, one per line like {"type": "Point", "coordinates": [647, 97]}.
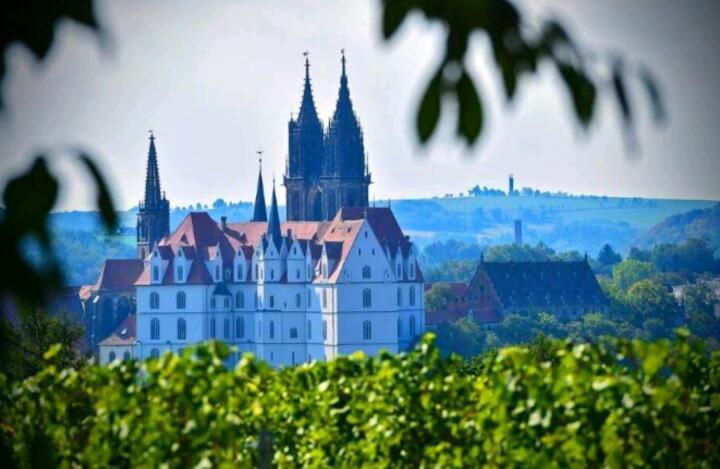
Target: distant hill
{"type": "Point", "coordinates": [701, 223]}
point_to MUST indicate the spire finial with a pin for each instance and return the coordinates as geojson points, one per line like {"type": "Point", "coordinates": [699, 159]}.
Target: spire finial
{"type": "Point", "coordinates": [342, 59]}
{"type": "Point", "coordinates": [152, 137]}
{"type": "Point", "coordinates": [260, 153]}
{"type": "Point", "coordinates": [307, 64]}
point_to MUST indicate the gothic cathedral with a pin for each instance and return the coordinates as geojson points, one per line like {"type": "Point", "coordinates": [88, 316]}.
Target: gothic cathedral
{"type": "Point", "coordinates": [326, 170]}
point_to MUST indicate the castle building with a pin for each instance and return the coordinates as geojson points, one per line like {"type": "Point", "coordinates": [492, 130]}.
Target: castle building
{"type": "Point", "coordinates": [326, 169]}
{"type": "Point", "coordinates": [337, 277]}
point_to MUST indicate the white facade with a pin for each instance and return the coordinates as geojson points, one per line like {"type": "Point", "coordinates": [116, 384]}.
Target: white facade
{"type": "Point", "coordinates": [307, 299]}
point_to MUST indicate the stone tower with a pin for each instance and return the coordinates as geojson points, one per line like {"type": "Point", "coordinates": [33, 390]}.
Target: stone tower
{"type": "Point", "coordinates": [305, 155]}
{"type": "Point", "coordinates": [153, 219]}
{"type": "Point", "coordinates": [345, 179]}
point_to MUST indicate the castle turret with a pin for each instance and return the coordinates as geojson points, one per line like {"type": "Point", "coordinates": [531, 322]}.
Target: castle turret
{"type": "Point", "coordinates": [274, 234]}
{"type": "Point", "coordinates": [153, 219]}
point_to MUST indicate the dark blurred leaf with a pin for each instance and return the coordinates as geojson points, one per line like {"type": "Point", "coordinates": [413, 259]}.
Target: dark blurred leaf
{"type": "Point", "coordinates": [429, 112]}
{"type": "Point", "coordinates": [653, 92]}
{"type": "Point", "coordinates": [28, 200]}
{"type": "Point", "coordinates": [104, 199]}
{"type": "Point", "coordinates": [582, 92]}
{"type": "Point", "coordinates": [394, 12]}
{"type": "Point", "coordinates": [33, 22]}
{"type": "Point", "coordinates": [470, 114]}
{"type": "Point", "coordinates": [618, 83]}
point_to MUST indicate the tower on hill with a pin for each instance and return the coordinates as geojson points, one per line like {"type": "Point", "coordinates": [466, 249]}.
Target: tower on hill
{"type": "Point", "coordinates": [153, 219]}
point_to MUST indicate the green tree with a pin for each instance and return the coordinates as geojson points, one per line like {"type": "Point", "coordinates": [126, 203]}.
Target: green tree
{"type": "Point", "coordinates": [699, 301]}
{"type": "Point", "coordinates": [650, 300]}
{"type": "Point", "coordinates": [438, 296]}
{"type": "Point", "coordinates": [629, 272]}
{"type": "Point", "coordinates": [608, 256]}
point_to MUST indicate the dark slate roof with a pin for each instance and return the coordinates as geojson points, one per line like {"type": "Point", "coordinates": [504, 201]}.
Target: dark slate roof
{"type": "Point", "coordinates": [221, 289]}
{"type": "Point", "coordinates": [538, 284]}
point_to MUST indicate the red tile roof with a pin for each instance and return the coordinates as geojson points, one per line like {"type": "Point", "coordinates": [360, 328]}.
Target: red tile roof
{"type": "Point", "coordinates": [119, 274]}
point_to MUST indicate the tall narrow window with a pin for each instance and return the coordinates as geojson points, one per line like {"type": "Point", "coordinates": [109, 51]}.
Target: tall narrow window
{"type": "Point", "coordinates": [293, 333]}
{"type": "Point", "coordinates": [412, 296]}
{"type": "Point", "coordinates": [366, 272]}
{"type": "Point", "coordinates": [226, 302]}
{"type": "Point", "coordinates": [240, 328]}
{"type": "Point", "coordinates": [298, 300]}
{"type": "Point", "coordinates": [399, 296]}
{"type": "Point", "coordinates": [155, 353]}
{"type": "Point", "coordinates": [272, 301]}
{"type": "Point", "coordinates": [367, 330]}
{"type": "Point", "coordinates": [212, 328]}
{"type": "Point", "coordinates": [256, 272]}
{"type": "Point", "coordinates": [181, 329]}
{"type": "Point", "coordinates": [324, 298]}
{"type": "Point", "coordinates": [399, 271]}
{"type": "Point", "coordinates": [239, 272]}
{"type": "Point", "coordinates": [297, 274]}
{"type": "Point", "coordinates": [154, 300]}
{"type": "Point", "coordinates": [180, 273]}
{"type": "Point", "coordinates": [226, 328]}
{"type": "Point", "coordinates": [217, 273]}
{"type": "Point", "coordinates": [256, 300]}
{"type": "Point", "coordinates": [272, 329]}
{"type": "Point", "coordinates": [154, 329]}
{"type": "Point", "coordinates": [156, 273]}
{"type": "Point", "coordinates": [309, 299]}
{"type": "Point", "coordinates": [213, 303]}
{"type": "Point", "coordinates": [180, 300]}
{"type": "Point", "coordinates": [309, 330]}
{"type": "Point", "coordinates": [399, 327]}
{"type": "Point", "coordinates": [367, 298]}
{"type": "Point", "coordinates": [293, 357]}
{"type": "Point", "coordinates": [239, 300]}
{"type": "Point", "coordinates": [411, 271]}
{"type": "Point", "coordinates": [324, 330]}
{"type": "Point", "coordinates": [111, 357]}
{"type": "Point", "coordinates": [272, 274]}
{"type": "Point", "coordinates": [412, 326]}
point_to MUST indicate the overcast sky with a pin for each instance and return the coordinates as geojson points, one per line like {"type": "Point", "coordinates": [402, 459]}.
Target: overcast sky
{"type": "Point", "coordinates": [218, 80]}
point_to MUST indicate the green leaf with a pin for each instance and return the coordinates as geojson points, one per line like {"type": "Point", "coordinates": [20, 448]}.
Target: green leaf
{"type": "Point", "coordinates": [104, 199]}
{"type": "Point", "coordinates": [582, 91]}
{"type": "Point", "coordinates": [29, 198]}
{"type": "Point", "coordinates": [470, 112]}
{"type": "Point", "coordinates": [429, 112]}
{"type": "Point", "coordinates": [52, 351]}
{"type": "Point", "coordinates": [618, 83]}
{"type": "Point", "coordinates": [654, 95]}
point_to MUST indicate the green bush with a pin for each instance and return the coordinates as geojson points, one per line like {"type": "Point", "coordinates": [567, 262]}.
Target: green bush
{"type": "Point", "coordinates": [615, 403]}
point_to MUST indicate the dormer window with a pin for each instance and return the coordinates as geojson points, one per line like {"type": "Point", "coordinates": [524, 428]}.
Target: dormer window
{"type": "Point", "coordinates": [272, 274]}
{"type": "Point", "coordinates": [411, 271]}
{"type": "Point", "coordinates": [294, 250]}
{"type": "Point", "coordinates": [228, 274]}
{"type": "Point", "coordinates": [156, 273]}
{"type": "Point", "coordinates": [399, 271]}
{"type": "Point", "coordinates": [180, 273]}
{"type": "Point", "coordinates": [217, 273]}
{"type": "Point", "coordinates": [239, 272]}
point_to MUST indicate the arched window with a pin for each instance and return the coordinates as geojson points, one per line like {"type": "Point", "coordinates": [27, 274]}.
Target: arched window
{"type": "Point", "coordinates": [293, 333]}
{"type": "Point", "coordinates": [213, 303]}
{"type": "Point", "coordinates": [226, 302]}
{"type": "Point", "coordinates": [154, 300]}
{"type": "Point", "coordinates": [399, 296]}
{"type": "Point", "coordinates": [226, 328]}
{"type": "Point", "coordinates": [154, 353]}
{"type": "Point", "coordinates": [272, 274]}
{"type": "Point", "coordinates": [239, 272]}
{"type": "Point", "coordinates": [367, 330]}
{"type": "Point", "coordinates": [212, 328]}
{"type": "Point", "coordinates": [324, 330]}
{"type": "Point", "coordinates": [180, 300]}
{"type": "Point", "coordinates": [399, 327]}
{"type": "Point", "coordinates": [297, 274]}
{"type": "Point", "coordinates": [309, 329]}
{"type": "Point", "coordinates": [272, 329]}
{"type": "Point", "coordinates": [126, 356]}
{"type": "Point", "coordinates": [154, 329]}
{"type": "Point", "coordinates": [412, 296]}
{"type": "Point", "coordinates": [240, 328]}
{"type": "Point", "coordinates": [111, 357]}
{"type": "Point", "coordinates": [412, 326]}
{"type": "Point", "coordinates": [272, 301]}
{"type": "Point", "coordinates": [366, 272]}
{"type": "Point", "coordinates": [367, 298]}
{"type": "Point", "coordinates": [239, 300]}
{"type": "Point", "coordinates": [180, 273]}
{"type": "Point", "coordinates": [181, 329]}
{"type": "Point", "coordinates": [298, 300]}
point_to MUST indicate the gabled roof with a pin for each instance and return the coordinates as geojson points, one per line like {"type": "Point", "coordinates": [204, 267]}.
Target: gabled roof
{"type": "Point", "coordinates": [119, 274]}
{"type": "Point", "coordinates": [124, 334]}
{"type": "Point", "coordinates": [538, 284]}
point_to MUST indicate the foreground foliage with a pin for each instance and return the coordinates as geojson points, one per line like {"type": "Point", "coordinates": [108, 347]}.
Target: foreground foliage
{"type": "Point", "coordinates": [616, 403]}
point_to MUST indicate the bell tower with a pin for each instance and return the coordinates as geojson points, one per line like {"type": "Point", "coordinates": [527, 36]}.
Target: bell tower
{"type": "Point", "coordinates": [153, 219]}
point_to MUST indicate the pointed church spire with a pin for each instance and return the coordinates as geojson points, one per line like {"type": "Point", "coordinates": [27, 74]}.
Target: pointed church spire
{"type": "Point", "coordinates": [273, 230]}
{"type": "Point", "coordinates": [153, 195]}
{"type": "Point", "coordinates": [260, 210]}
{"type": "Point", "coordinates": [308, 113]}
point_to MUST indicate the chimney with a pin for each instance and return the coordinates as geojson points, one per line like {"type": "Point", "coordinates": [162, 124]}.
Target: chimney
{"type": "Point", "coordinates": [223, 223]}
{"type": "Point", "coordinates": [518, 232]}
